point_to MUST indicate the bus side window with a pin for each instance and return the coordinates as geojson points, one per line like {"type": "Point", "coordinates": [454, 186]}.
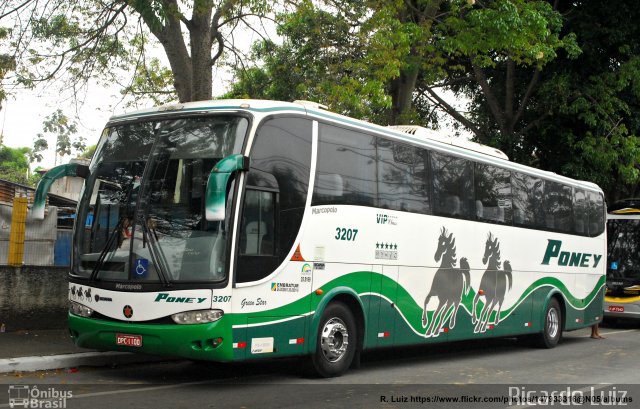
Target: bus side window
{"type": "Point", "coordinates": [558, 201]}
{"type": "Point", "coordinates": [452, 186]}
{"type": "Point", "coordinates": [402, 177]}
{"type": "Point", "coordinates": [276, 194]}
{"type": "Point", "coordinates": [257, 230]}
{"type": "Point", "coordinates": [493, 194]}
{"type": "Point", "coordinates": [580, 212]}
{"type": "Point", "coordinates": [527, 194]}
{"type": "Point", "coordinates": [596, 214]}
{"type": "Point", "coordinates": [351, 156]}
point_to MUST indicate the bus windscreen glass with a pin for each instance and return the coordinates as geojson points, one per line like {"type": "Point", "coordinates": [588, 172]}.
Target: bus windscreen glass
{"type": "Point", "coordinates": [143, 204]}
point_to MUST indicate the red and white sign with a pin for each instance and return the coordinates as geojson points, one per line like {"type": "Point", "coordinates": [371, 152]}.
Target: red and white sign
{"type": "Point", "coordinates": [129, 340]}
{"type": "Point", "coordinates": [616, 308]}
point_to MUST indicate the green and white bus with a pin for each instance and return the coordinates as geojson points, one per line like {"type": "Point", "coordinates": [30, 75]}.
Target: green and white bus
{"type": "Point", "coordinates": [240, 229]}
{"type": "Point", "coordinates": [622, 299]}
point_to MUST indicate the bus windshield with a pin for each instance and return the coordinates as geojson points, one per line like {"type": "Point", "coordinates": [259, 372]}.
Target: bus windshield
{"type": "Point", "coordinates": [143, 204]}
{"type": "Point", "coordinates": [624, 250]}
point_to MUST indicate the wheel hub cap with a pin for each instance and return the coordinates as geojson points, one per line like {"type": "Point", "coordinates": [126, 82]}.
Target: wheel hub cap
{"type": "Point", "coordinates": [334, 340]}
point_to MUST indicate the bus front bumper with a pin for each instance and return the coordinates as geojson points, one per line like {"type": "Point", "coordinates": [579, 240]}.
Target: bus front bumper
{"type": "Point", "coordinates": [622, 307]}
{"type": "Point", "coordinates": [196, 341]}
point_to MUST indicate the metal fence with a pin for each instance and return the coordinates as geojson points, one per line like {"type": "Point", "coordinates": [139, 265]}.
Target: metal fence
{"type": "Point", "coordinates": [44, 243]}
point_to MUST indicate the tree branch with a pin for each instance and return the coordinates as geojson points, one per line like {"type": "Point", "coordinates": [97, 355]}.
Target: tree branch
{"type": "Point", "coordinates": [434, 97]}
{"type": "Point", "coordinates": [494, 106]}
{"type": "Point", "coordinates": [532, 83]}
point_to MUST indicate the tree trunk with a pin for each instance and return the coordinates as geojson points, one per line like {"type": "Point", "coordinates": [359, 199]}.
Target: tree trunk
{"type": "Point", "coordinates": [402, 89]}
{"type": "Point", "coordinates": [200, 36]}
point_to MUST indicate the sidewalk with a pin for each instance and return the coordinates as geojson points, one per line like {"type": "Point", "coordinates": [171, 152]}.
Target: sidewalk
{"type": "Point", "coordinates": [24, 351]}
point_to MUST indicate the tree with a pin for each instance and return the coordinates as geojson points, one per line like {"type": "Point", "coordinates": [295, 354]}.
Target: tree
{"type": "Point", "coordinates": [591, 128]}
{"type": "Point", "coordinates": [63, 128]}
{"type": "Point", "coordinates": [88, 153]}
{"type": "Point", "coordinates": [386, 60]}
{"type": "Point", "coordinates": [7, 63]}
{"type": "Point", "coordinates": [14, 164]}
{"type": "Point", "coordinates": [79, 41]}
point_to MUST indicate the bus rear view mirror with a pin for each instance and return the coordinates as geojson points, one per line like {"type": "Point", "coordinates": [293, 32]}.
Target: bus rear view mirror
{"type": "Point", "coordinates": [216, 194]}
{"type": "Point", "coordinates": [70, 169]}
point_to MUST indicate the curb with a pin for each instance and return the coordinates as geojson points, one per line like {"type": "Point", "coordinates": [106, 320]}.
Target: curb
{"type": "Point", "coordinates": [43, 363]}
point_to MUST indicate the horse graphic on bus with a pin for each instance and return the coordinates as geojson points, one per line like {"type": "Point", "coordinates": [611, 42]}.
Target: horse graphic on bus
{"type": "Point", "coordinates": [493, 286]}
{"type": "Point", "coordinates": [449, 283]}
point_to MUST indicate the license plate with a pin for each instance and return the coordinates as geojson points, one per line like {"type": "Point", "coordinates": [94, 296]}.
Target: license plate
{"type": "Point", "coordinates": [129, 340]}
{"type": "Point", "coordinates": [616, 308]}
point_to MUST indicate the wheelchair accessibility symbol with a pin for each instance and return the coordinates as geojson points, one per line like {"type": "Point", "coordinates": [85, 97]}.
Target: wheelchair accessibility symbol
{"type": "Point", "coordinates": [141, 267]}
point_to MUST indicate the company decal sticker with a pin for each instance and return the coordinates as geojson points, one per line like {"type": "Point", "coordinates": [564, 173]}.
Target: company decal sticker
{"type": "Point", "coordinates": [318, 266]}
{"type": "Point", "coordinates": [261, 345]}
{"type": "Point", "coordinates": [166, 297]}
{"type": "Point", "coordinates": [285, 287]}
{"type": "Point", "coordinates": [386, 219]}
{"type": "Point", "coordinates": [127, 311]}
{"type": "Point", "coordinates": [128, 287]}
{"type": "Point", "coordinates": [305, 273]}
{"type": "Point", "coordinates": [568, 258]}
{"type": "Point", "coordinates": [80, 294]}
{"type": "Point", "coordinates": [324, 210]}
{"type": "Point", "coordinates": [251, 303]}
{"type": "Point", "coordinates": [100, 298]}
{"type": "Point", "coordinates": [386, 251]}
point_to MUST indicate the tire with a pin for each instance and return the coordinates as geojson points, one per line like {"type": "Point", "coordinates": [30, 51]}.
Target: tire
{"type": "Point", "coordinates": [337, 341]}
{"type": "Point", "coordinates": [552, 330]}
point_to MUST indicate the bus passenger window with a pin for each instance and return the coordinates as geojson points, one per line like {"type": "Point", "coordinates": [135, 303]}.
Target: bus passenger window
{"type": "Point", "coordinates": [596, 214]}
{"type": "Point", "coordinates": [527, 193]}
{"type": "Point", "coordinates": [452, 186]}
{"type": "Point", "coordinates": [558, 203]}
{"type": "Point", "coordinates": [580, 212]}
{"type": "Point", "coordinates": [351, 156]}
{"type": "Point", "coordinates": [493, 194]}
{"type": "Point", "coordinates": [258, 224]}
{"type": "Point", "coordinates": [402, 177]}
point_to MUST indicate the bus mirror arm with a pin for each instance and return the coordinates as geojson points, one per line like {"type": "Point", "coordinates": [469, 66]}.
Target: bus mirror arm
{"type": "Point", "coordinates": [216, 194]}
{"type": "Point", "coordinates": [69, 169]}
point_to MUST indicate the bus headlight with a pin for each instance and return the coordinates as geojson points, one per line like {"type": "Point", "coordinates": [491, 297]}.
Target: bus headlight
{"type": "Point", "coordinates": [79, 309]}
{"type": "Point", "coordinates": [197, 317]}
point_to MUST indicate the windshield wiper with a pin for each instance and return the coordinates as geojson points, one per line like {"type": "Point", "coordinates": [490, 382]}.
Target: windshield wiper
{"type": "Point", "coordinates": [159, 259]}
{"type": "Point", "coordinates": [103, 254]}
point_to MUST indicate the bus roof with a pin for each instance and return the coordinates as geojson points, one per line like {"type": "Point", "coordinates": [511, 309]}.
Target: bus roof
{"type": "Point", "coordinates": [405, 133]}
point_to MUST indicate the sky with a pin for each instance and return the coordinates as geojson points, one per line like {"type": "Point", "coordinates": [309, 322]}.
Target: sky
{"type": "Point", "coordinates": [24, 111]}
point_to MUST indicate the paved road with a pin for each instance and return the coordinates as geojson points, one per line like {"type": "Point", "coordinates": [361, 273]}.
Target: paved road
{"type": "Point", "coordinates": [389, 378]}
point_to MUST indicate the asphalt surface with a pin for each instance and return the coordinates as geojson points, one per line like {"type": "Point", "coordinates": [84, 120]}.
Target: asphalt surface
{"type": "Point", "coordinates": [491, 371]}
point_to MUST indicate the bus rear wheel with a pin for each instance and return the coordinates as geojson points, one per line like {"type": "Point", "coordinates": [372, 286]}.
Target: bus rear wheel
{"type": "Point", "coordinates": [552, 330]}
{"type": "Point", "coordinates": [337, 341]}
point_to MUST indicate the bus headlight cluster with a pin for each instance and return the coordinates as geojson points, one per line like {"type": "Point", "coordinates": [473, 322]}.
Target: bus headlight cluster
{"type": "Point", "coordinates": [197, 317]}
{"type": "Point", "coordinates": [79, 309]}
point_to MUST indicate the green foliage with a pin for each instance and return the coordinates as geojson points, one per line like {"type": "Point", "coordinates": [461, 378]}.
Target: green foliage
{"type": "Point", "coordinates": [88, 153]}
{"type": "Point", "coordinates": [152, 81]}
{"type": "Point", "coordinates": [7, 63]}
{"type": "Point", "coordinates": [63, 128]}
{"type": "Point", "coordinates": [589, 105]}
{"type": "Point", "coordinates": [338, 57]}
{"type": "Point", "coordinates": [14, 164]}
{"type": "Point", "coordinates": [526, 32]}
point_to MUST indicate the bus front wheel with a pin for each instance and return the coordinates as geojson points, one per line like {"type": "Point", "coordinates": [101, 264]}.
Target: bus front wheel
{"type": "Point", "coordinates": [552, 331]}
{"type": "Point", "coordinates": [337, 341]}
